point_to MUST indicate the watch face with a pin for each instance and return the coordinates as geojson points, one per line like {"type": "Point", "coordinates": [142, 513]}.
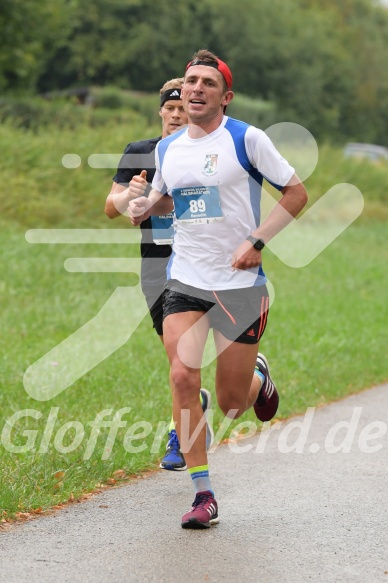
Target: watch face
{"type": "Point", "coordinates": [259, 244]}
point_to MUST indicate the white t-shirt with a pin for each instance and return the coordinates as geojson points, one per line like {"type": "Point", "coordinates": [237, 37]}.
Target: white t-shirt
{"type": "Point", "coordinates": [216, 185]}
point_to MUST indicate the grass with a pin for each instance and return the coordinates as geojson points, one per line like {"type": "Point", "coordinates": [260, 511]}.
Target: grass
{"type": "Point", "coordinates": [38, 191]}
{"type": "Point", "coordinates": [325, 340]}
{"type": "Point", "coordinates": [47, 305]}
{"type": "Point", "coordinates": [325, 337]}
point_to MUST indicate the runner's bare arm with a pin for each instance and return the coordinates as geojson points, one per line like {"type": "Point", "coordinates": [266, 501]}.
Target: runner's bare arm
{"type": "Point", "coordinates": [294, 199]}
{"type": "Point", "coordinates": [120, 196]}
{"type": "Point", "coordinates": [289, 206]}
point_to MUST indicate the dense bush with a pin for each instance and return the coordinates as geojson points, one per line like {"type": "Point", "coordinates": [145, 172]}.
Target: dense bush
{"type": "Point", "coordinates": [257, 112]}
{"type": "Point", "coordinates": [37, 112]}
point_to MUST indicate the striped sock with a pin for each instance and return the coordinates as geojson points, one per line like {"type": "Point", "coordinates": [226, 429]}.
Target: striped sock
{"type": "Point", "coordinates": [200, 477]}
{"type": "Point", "coordinates": [172, 425]}
{"type": "Point", "coordinates": [260, 375]}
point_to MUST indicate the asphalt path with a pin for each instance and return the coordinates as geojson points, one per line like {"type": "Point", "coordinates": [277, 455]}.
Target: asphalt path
{"type": "Point", "coordinates": [306, 501]}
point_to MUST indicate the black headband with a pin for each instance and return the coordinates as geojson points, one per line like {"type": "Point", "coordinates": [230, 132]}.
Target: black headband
{"type": "Point", "coordinates": [170, 94]}
{"type": "Point", "coordinates": [199, 62]}
{"type": "Point", "coordinates": [219, 65]}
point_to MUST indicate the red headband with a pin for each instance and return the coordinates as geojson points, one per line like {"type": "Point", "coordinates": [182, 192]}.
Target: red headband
{"type": "Point", "coordinates": [220, 66]}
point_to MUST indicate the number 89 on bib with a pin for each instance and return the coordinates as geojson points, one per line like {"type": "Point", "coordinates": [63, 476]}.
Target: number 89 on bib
{"type": "Point", "coordinates": [197, 204]}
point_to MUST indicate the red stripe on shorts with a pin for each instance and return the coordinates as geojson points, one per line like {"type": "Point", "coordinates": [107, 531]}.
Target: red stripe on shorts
{"type": "Point", "coordinates": [263, 315]}
{"type": "Point", "coordinates": [223, 307]}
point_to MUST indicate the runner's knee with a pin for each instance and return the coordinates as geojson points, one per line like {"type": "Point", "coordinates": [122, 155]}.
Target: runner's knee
{"type": "Point", "coordinates": [186, 383]}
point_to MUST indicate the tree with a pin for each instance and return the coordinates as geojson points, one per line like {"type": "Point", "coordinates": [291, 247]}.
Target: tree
{"type": "Point", "coordinates": [29, 30]}
{"type": "Point", "coordinates": [130, 43]}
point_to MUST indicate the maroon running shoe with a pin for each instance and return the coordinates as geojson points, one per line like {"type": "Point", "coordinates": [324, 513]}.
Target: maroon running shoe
{"type": "Point", "coordinates": [267, 401]}
{"type": "Point", "coordinates": [204, 512]}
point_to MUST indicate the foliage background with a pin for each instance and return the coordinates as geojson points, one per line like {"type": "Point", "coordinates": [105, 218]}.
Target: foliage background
{"type": "Point", "coordinates": [321, 63]}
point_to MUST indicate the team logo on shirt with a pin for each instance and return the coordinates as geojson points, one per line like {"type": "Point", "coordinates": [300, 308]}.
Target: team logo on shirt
{"type": "Point", "coordinates": [210, 166]}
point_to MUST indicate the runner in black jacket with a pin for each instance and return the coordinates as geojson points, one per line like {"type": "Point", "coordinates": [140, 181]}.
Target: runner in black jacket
{"type": "Point", "coordinates": [138, 158]}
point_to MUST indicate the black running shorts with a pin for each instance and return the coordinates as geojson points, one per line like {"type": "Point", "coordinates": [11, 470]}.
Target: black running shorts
{"type": "Point", "coordinates": [154, 299]}
{"type": "Point", "coordinates": [239, 314]}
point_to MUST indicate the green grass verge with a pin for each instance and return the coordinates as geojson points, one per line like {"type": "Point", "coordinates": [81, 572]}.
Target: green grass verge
{"type": "Point", "coordinates": [325, 337]}
{"type": "Point", "coordinates": [324, 341]}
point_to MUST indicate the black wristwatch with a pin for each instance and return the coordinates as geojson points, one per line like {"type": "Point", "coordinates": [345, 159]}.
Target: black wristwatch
{"type": "Point", "coordinates": [257, 243]}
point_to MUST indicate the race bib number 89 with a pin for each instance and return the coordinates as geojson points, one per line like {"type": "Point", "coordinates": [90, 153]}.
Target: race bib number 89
{"type": "Point", "coordinates": [197, 204]}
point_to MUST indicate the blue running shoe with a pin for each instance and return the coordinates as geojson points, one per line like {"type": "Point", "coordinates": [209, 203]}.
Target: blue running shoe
{"type": "Point", "coordinates": [173, 458]}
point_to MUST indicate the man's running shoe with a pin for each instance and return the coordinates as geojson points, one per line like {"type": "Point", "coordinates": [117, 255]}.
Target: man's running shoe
{"type": "Point", "coordinates": [267, 401]}
{"type": "Point", "coordinates": [173, 458]}
{"type": "Point", "coordinates": [206, 406]}
{"type": "Point", "coordinates": [203, 513]}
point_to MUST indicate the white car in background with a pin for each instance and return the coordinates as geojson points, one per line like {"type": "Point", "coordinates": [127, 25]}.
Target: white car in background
{"type": "Point", "coordinates": [368, 151]}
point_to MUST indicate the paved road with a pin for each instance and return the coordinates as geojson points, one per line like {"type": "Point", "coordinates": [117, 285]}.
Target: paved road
{"type": "Point", "coordinates": [315, 516]}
